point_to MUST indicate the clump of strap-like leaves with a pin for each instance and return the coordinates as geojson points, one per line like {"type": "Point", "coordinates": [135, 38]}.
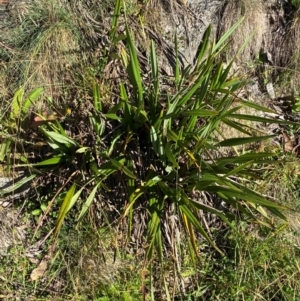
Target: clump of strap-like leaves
{"type": "Point", "coordinates": [155, 158]}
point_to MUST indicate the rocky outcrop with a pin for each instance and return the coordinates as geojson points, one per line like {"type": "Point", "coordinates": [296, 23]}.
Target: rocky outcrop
{"type": "Point", "coordinates": [270, 29]}
{"type": "Point", "coordinates": [189, 19]}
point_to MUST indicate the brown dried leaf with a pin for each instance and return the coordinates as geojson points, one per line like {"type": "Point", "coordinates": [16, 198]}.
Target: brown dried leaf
{"type": "Point", "coordinates": [289, 146]}
{"type": "Point", "coordinates": [39, 271]}
{"type": "Point", "coordinates": [296, 150]}
{"type": "Point", "coordinates": [288, 142]}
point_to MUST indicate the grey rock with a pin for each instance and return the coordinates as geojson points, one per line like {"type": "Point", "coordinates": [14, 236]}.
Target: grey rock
{"type": "Point", "coordinates": [270, 90]}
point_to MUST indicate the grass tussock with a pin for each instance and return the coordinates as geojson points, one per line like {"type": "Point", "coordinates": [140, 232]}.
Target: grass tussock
{"type": "Point", "coordinates": [54, 45]}
{"type": "Point", "coordinates": [254, 24]}
{"type": "Point", "coordinates": [273, 49]}
{"type": "Point", "coordinates": [291, 57]}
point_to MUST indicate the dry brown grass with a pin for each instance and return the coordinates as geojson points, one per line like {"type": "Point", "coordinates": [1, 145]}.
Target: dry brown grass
{"type": "Point", "coordinates": [53, 44]}
{"type": "Point", "coordinates": [52, 63]}
{"type": "Point", "coordinates": [254, 23]}
{"type": "Point", "coordinates": [275, 30]}
{"type": "Point", "coordinates": [291, 59]}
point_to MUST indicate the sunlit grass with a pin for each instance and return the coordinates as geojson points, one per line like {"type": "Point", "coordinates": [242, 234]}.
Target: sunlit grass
{"type": "Point", "coordinates": [139, 167]}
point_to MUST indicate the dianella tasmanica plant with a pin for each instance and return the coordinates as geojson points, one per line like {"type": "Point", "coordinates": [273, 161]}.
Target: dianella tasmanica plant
{"type": "Point", "coordinates": [164, 155]}
{"type": "Point", "coordinates": [155, 165]}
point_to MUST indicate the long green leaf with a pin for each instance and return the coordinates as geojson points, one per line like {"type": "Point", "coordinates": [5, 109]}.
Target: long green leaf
{"type": "Point", "coordinates": [51, 161]}
{"type": "Point", "coordinates": [123, 93]}
{"type": "Point", "coordinates": [236, 125]}
{"type": "Point", "coordinates": [134, 70]}
{"type": "Point", "coordinates": [195, 222]}
{"type": "Point", "coordinates": [115, 20]}
{"type": "Point", "coordinates": [275, 209]}
{"type": "Point", "coordinates": [120, 166]}
{"type": "Point", "coordinates": [212, 210]}
{"type": "Point", "coordinates": [232, 85]}
{"type": "Point", "coordinates": [260, 119]}
{"type": "Point", "coordinates": [202, 50]}
{"type": "Point", "coordinates": [157, 143]}
{"type": "Point", "coordinates": [154, 234]}
{"type": "Point", "coordinates": [112, 117]}
{"type": "Point", "coordinates": [171, 157]}
{"type": "Point", "coordinates": [257, 106]}
{"type": "Point", "coordinates": [64, 209]}
{"type": "Point", "coordinates": [16, 105]}
{"type": "Point", "coordinates": [74, 199]}
{"type": "Point", "coordinates": [250, 196]}
{"type": "Point", "coordinates": [216, 76]}
{"type": "Point", "coordinates": [140, 191]}
{"type": "Point", "coordinates": [236, 170]}
{"type": "Point", "coordinates": [59, 138]}
{"type": "Point", "coordinates": [227, 34]}
{"type": "Point", "coordinates": [17, 185]}
{"type": "Point", "coordinates": [224, 76]}
{"type": "Point", "coordinates": [179, 101]}
{"type": "Point", "coordinates": [245, 140]}
{"type": "Point", "coordinates": [97, 97]}
{"type": "Point", "coordinates": [258, 157]}
{"type": "Point", "coordinates": [155, 81]}
{"type": "Point", "coordinates": [201, 113]}
{"type": "Point", "coordinates": [35, 94]}
{"type": "Point", "coordinates": [5, 148]}
{"type": "Point", "coordinates": [88, 202]}
{"type": "Point", "coordinates": [113, 145]}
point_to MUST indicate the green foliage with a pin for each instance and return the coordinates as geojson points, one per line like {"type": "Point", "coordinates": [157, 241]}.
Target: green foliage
{"type": "Point", "coordinates": [258, 265]}
{"type": "Point", "coordinates": [172, 134]}
{"type": "Point", "coordinates": [54, 44]}
{"type": "Point", "coordinates": [296, 3]}
{"type": "Point", "coordinates": [17, 120]}
{"type": "Point", "coordinates": [12, 136]}
{"type": "Point", "coordinates": [163, 146]}
{"type": "Point", "coordinates": [160, 142]}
